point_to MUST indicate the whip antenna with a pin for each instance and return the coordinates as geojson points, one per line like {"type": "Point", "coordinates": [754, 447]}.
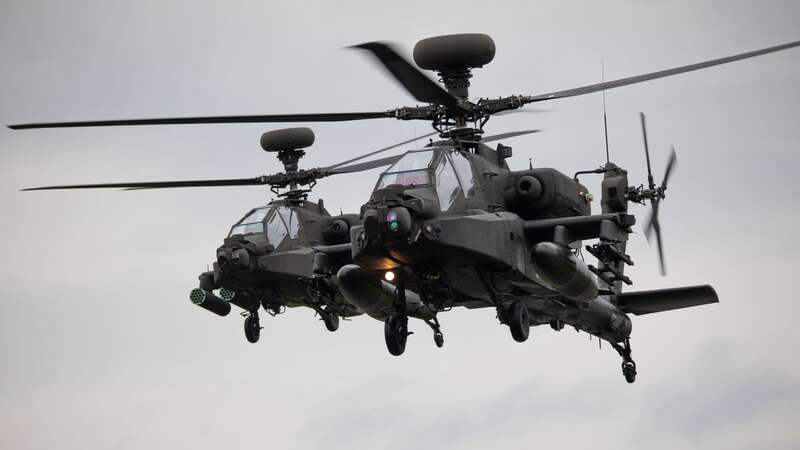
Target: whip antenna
{"type": "Point", "coordinates": [605, 120]}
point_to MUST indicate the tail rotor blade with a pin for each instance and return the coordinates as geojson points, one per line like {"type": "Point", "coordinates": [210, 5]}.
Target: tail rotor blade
{"type": "Point", "coordinates": [660, 248]}
{"type": "Point", "coordinates": [653, 227]}
{"type": "Point", "coordinates": [647, 151]}
{"type": "Point", "coordinates": [673, 159]}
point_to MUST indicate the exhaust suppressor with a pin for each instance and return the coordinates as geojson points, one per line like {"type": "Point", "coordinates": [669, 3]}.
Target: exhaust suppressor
{"type": "Point", "coordinates": [207, 300]}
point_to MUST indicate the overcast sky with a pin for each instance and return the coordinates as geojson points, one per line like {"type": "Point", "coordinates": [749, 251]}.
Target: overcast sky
{"type": "Point", "coordinates": [100, 347]}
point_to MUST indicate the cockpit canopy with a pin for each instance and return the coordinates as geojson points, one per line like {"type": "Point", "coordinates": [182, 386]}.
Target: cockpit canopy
{"type": "Point", "coordinates": [447, 169]}
{"type": "Point", "coordinates": [276, 222]}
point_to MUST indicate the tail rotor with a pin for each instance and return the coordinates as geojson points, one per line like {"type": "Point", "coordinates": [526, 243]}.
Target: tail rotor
{"type": "Point", "coordinates": [655, 194]}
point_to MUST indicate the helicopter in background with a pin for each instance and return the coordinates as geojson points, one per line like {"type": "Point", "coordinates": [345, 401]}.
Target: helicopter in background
{"type": "Point", "coordinates": [452, 225]}
{"type": "Point", "coordinates": [283, 254]}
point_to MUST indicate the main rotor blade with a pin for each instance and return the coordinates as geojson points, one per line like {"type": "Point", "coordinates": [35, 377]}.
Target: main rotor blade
{"type": "Point", "coordinates": [416, 83]}
{"type": "Point", "coordinates": [510, 134]}
{"type": "Point", "coordinates": [269, 118]}
{"type": "Point", "coordinates": [381, 150]}
{"type": "Point", "coordinates": [160, 184]}
{"type": "Point", "coordinates": [365, 165]}
{"type": "Point", "coordinates": [652, 76]}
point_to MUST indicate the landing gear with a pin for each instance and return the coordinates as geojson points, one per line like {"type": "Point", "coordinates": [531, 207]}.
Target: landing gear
{"type": "Point", "coordinates": [629, 371]}
{"type": "Point", "coordinates": [331, 320]}
{"type": "Point", "coordinates": [252, 329]}
{"type": "Point", "coordinates": [438, 337]}
{"type": "Point", "coordinates": [628, 365]}
{"type": "Point", "coordinates": [518, 321]}
{"type": "Point", "coordinates": [395, 330]}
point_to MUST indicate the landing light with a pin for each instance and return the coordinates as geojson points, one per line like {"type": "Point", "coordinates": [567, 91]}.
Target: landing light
{"type": "Point", "coordinates": [389, 275]}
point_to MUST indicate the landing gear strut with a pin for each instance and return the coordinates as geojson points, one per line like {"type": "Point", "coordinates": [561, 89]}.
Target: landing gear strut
{"type": "Point", "coordinates": [515, 314]}
{"type": "Point", "coordinates": [395, 329]}
{"type": "Point", "coordinates": [628, 365]}
{"type": "Point", "coordinates": [252, 328]}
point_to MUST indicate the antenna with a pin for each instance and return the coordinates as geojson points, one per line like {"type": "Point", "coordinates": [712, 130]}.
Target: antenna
{"type": "Point", "coordinates": [605, 120]}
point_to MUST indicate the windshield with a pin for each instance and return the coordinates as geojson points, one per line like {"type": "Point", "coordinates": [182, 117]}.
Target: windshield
{"type": "Point", "coordinates": [251, 223]}
{"type": "Point", "coordinates": [411, 161]}
{"type": "Point", "coordinates": [410, 170]}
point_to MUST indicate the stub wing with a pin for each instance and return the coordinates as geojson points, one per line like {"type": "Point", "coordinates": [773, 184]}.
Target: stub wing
{"type": "Point", "coordinates": [646, 302]}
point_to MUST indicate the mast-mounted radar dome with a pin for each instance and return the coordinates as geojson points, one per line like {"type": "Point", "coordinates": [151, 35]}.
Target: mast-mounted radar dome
{"type": "Point", "coordinates": [287, 139]}
{"type": "Point", "coordinates": [454, 52]}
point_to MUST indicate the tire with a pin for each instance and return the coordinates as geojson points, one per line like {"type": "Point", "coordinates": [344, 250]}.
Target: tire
{"type": "Point", "coordinates": [629, 371]}
{"type": "Point", "coordinates": [395, 330]}
{"type": "Point", "coordinates": [252, 329]}
{"type": "Point", "coordinates": [438, 339]}
{"type": "Point", "coordinates": [331, 320]}
{"type": "Point", "coordinates": [519, 322]}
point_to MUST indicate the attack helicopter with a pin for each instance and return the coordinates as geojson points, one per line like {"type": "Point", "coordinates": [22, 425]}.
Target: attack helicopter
{"type": "Point", "coordinates": [452, 224]}
{"type": "Point", "coordinates": [283, 254]}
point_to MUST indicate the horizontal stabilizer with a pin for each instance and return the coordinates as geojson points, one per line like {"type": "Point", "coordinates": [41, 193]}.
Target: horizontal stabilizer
{"type": "Point", "coordinates": [646, 302]}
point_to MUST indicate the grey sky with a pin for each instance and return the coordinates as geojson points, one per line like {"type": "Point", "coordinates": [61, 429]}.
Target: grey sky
{"type": "Point", "coordinates": [100, 347]}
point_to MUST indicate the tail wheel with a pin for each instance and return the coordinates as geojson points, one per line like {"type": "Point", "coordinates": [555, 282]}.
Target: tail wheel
{"type": "Point", "coordinates": [519, 322]}
{"type": "Point", "coordinates": [331, 320]}
{"type": "Point", "coordinates": [395, 330]}
{"type": "Point", "coordinates": [252, 329]}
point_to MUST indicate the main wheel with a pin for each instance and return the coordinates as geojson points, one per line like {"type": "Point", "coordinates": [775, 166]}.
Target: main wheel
{"type": "Point", "coordinates": [252, 329]}
{"type": "Point", "coordinates": [395, 330]}
{"type": "Point", "coordinates": [331, 320]}
{"type": "Point", "coordinates": [519, 322]}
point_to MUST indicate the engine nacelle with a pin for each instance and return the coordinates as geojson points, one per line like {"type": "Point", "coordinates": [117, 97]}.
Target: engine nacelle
{"type": "Point", "coordinates": [337, 228]}
{"type": "Point", "coordinates": [545, 193]}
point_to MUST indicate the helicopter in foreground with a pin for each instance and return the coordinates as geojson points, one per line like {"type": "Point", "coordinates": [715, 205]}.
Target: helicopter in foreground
{"type": "Point", "coordinates": [452, 225]}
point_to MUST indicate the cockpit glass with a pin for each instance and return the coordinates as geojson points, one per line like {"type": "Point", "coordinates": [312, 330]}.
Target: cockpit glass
{"type": "Point", "coordinates": [291, 220]}
{"type": "Point", "coordinates": [412, 161]}
{"type": "Point", "coordinates": [256, 216]}
{"type": "Point", "coordinates": [252, 223]}
{"type": "Point", "coordinates": [276, 230]}
{"type": "Point", "coordinates": [464, 172]}
{"type": "Point", "coordinates": [409, 178]}
{"type": "Point", "coordinates": [447, 187]}
{"type": "Point", "coordinates": [410, 170]}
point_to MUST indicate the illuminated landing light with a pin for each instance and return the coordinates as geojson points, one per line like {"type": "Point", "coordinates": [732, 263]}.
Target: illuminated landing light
{"type": "Point", "coordinates": [389, 275]}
